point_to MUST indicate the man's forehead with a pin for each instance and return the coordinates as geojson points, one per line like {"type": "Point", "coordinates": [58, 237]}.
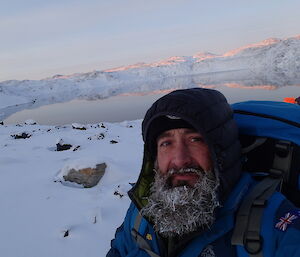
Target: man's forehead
{"type": "Point", "coordinates": [183, 131]}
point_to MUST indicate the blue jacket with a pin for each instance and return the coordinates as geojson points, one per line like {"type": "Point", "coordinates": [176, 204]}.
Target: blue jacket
{"type": "Point", "coordinates": [280, 230]}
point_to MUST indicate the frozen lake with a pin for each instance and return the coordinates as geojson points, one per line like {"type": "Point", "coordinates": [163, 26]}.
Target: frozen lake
{"type": "Point", "coordinates": [133, 106]}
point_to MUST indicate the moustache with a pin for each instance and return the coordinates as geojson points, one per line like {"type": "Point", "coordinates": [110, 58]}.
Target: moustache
{"type": "Point", "coordinates": [197, 170]}
{"type": "Point", "coordinates": [173, 172]}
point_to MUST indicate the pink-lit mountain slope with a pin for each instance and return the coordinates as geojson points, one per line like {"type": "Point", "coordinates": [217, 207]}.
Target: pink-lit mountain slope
{"type": "Point", "coordinates": [273, 61]}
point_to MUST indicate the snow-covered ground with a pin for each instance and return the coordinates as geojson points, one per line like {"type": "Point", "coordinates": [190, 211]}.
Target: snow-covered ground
{"type": "Point", "coordinates": [37, 210]}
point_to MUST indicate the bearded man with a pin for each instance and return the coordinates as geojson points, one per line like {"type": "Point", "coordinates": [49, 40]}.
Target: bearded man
{"type": "Point", "coordinates": [191, 184]}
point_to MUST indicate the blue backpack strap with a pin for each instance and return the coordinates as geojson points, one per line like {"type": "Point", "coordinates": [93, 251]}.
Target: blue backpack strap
{"type": "Point", "coordinates": [140, 240]}
{"type": "Point", "coordinates": [267, 228]}
{"type": "Point", "coordinates": [248, 220]}
{"type": "Point", "coordinates": [249, 217]}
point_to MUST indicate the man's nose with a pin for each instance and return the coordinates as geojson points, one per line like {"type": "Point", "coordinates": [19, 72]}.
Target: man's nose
{"type": "Point", "coordinates": [181, 156]}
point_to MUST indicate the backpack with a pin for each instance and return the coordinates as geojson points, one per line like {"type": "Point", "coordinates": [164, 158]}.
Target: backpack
{"type": "Point", "coordinates": [270, 138]}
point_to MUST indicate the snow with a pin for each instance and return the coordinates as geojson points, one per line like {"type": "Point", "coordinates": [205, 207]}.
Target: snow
{"type": "Point", "coordinates": [30, 122]}
{"type": "Point", "coordinates": [37, 210]}
{"type": "Point", "coordinates": [41, 215]}
{"type": "Point", "coordinates": [7, 100]}
{"type": "Point", "coordinates": [265, 43]}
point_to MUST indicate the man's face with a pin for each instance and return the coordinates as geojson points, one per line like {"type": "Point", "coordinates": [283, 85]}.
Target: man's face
{"type": "Point", "coordinates": [182, 148]}
{"type": "Point", "coordinates": [183, 196]}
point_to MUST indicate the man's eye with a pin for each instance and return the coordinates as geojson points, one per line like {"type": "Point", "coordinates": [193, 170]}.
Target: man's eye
{"type": "Point", "coordinates": [197, 139]}
{"type": "Point", "coordinates": [164, 143]}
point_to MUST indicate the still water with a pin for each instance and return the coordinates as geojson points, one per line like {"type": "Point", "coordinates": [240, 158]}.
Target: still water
{"type": "Point", "coordinates": [131, 107]}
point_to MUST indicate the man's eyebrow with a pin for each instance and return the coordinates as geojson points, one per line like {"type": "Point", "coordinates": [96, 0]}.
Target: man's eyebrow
{"type": "Point", "coordinates": [164, 134]}
{"type": "Point", "coordinates": [191, 131]}
{"type": "Point", "coordinates": [185, 132]}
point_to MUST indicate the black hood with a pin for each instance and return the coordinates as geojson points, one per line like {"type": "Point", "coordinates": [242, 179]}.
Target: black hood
{"type": "Point", "coordinates": [209, 113]}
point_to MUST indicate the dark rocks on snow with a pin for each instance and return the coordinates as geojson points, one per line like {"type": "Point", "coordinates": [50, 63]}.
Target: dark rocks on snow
{"type": "Point", "coordinates": [22, 135]}
{"type": "Point", "coordinates": [1, 122]}
{"type": "Point", "coordinates": [78, 126]}
{"type": "Point", "coordinates": [66, 233]}
{"type": "Point", "coordinates": [76, 148]}
{"type": "Point", "coordinates": [30, 122]}
{"type": "Point", "coordinates": [62, 147]}
{"type": "Point", "coordinates": [118, 193]}
{"type": "Point", "coordinates": [113, 141]}
{"type": "Point", "coordinates": [101, 136]}
{"type": "Point", "coordinates": [97, 137]}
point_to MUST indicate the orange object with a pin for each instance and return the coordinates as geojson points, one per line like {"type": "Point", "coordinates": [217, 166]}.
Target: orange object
{"type": "Point", "coordinates": [289, 100]}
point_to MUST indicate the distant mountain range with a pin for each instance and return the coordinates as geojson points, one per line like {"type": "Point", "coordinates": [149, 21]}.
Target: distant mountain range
{"type": "Point", "coordinates": [269, 56]}
{"type": "Point", "coordinates": [272, 62]}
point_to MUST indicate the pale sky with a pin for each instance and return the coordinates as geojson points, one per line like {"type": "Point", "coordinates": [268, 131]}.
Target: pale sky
{"type": "Point", "coordinates": [42, 38]}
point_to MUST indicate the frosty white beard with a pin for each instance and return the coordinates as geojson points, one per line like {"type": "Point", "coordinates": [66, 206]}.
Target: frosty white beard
{"type": "Point", "coordinates": [182, 209]}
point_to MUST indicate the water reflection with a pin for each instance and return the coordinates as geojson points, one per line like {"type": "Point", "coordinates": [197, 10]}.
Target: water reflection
{"type": "Point", "coordinates": [114, 109]}
{"type": "Point", "coordinates": [121, 105]}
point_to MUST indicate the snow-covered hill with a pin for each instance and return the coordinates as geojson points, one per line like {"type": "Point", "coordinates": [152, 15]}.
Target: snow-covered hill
{"type": "Point", "coordinates": [272, 61]}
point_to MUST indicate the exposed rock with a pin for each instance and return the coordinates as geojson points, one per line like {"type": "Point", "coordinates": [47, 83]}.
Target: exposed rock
{"type": "Point", "coordinates": [76, 148]}
{"type": "Point", "coordinates": [78, 126]}
{"type": "Point", "coordinates": [100, 136]}
{"type": "Point", "coordinates": [22, 135]}
{"type": "Point", "coordinates": [113, 141]}
{"type": "Point", "coordinates": [1, 122]}
{"type": "Point", "coordinates": [118, 193]}
{"type": "Point", "coordinates": [62, 146]}
{"type": "Point", "coordinates": [59, 127]}
{"type": "Point", "coordinates": [66, 233]}
{"type": "Point", "coordinates": [95, 220]}
{"type": "Point", "coordinates": [88, 177]}
{"type": "Point", "coordinates": [97, 137]}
